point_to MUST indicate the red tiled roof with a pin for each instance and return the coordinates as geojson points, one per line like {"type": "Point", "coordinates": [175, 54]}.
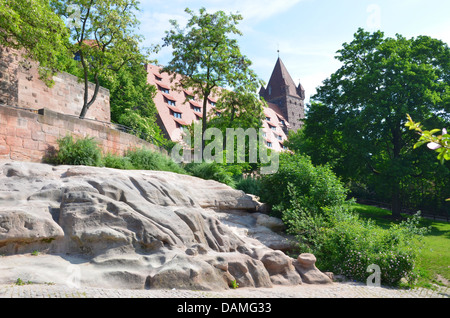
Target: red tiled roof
{"type": "Point", "coordinates": [279, 81]}
{"type": "Point", "coordinates": [169, 97]}
{"type": "Point", "coordinates": [181, 122]}
{"type": "Point", "coordinates": [162, 85]}
{"type": "Point", "coordinates": [195, 104]}
{"type": "Point", "coordinates": [175, 109]}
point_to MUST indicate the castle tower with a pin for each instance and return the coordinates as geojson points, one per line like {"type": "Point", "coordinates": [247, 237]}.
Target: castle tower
{"type": "Point", "coordinates": [282, 91]}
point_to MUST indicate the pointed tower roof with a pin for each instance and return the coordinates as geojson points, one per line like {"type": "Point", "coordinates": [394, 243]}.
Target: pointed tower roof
{"type": "Point", "coordinates": [281, 83]}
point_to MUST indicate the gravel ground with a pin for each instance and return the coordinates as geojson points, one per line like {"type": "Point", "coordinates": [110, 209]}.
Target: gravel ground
{"type": "Point", "coordinates": [335, 290]}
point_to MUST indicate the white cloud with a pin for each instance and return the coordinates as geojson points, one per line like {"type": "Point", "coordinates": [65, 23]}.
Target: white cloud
{"type": "Point", "coordinates": [251, 10]}
{"type": "Point", "coordinates": [254, 11]}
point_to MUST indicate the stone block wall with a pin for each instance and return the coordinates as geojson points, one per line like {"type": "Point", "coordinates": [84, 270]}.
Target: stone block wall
{"type": "Point", "coordinates": [9, 66]}
{"type": "Point", "coordinates": [20, 86]}
{"type": "Point", "coordinates": [27, 136]}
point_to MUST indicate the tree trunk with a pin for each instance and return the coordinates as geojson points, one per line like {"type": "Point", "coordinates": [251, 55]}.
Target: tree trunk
{"type": "Point", "coordinates": [86, 104]}
{"type": "Point", "coordinates": [396, 201]}
{"type": "Point", "coordinates": [204, 121]}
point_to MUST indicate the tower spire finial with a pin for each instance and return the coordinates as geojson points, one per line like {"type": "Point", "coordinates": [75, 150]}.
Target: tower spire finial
{"type": "Point", "coordinates": [278, 49]}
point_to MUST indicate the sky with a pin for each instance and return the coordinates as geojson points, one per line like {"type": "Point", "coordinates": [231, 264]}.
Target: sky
{"type": "Point", "coordinates": [307, 33]}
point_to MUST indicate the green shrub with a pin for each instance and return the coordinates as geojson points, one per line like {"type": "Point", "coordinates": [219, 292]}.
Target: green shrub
{"type": "Point", "coordinates": [315, 187]}
{"type": "Point", "coordinates": [211, 171]}
{"type": "Point", "coordinates": [117, 162]}
{"type": "Point", "coordinates": [83, 151]}
{"type": "Point", "coordinates": [311, 201]}
{"type": "Point", "coordinates": [249, 185]}
{"type": "Point", "coordinates": [144, 159]}
{"type": "Point", "coordinates": [347, 245]}
{"type": "Point", "coordinates": [86, 152]}
{"type": "Point", "coordinates": [351, 245]}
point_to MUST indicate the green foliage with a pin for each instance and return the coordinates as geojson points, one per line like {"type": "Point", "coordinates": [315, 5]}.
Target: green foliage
{"type": "Point", "coordinates": [86, 152]}
{"type": "Point", "coordinates": [102, 36]}
{"type": "Point", "coordinates": [144, 159]}
{"type": "Point", "coordinates": [351, 245]}
{"type": "Point", "coordinates": [316, 187]}
{"type": "Point", "coordinates": [20, 282]}
{"type": "Point", "coordinates": [432, 263]}
{"type": "Point", "coordinates": [207, 55]}
{"type": "Point", "coordinates": [234, 284]}
{"type": "Point", "coordinates": [211, 171]}
{"type": "Point", "coordinates": [440, 143]}
{"type": "Point", "coordinates": [241, 108]}
{"type": "Point", "coordinates": [33, 26]}
{"type": "Point", "coordinates": [132, 102]}
{"type": "Point", "coordinates": [356, 122]}
{"type": "Point", "coordinates": [117, 162]}
{"type": "Point", "coordinates": [249, 185]}
{"type": "Point", "coordinates": [83, 151]}
{"type": "Point", "coordinates": [312, 203]}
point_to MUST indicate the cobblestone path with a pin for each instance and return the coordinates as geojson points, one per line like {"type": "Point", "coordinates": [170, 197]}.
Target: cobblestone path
{"type": "Point", "coordinates": [335, 290]}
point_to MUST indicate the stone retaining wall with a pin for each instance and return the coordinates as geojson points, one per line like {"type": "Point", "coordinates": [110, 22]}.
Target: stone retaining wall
{"type": "Point", "coordinates": [20, 86]}
{"type": "Point", "coordinates": [28, 135]}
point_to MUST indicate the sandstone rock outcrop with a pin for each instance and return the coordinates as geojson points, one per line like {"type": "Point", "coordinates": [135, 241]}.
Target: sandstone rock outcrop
{"type": "Point", "coordinates": [135, 229]}
{"type": "Point", "coordinates": [306, 266]}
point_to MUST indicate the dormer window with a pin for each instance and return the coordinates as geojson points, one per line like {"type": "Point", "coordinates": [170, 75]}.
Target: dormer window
{"type": "Point", "coordinates": [268, 118]}
{"type": "Point", "coordinates": [180, 126]}
{"type": "Point", "coordinates": [212, 103]}
{"type": "Point", "coordinates": [189, 96]}
{"type": "Point", "coordinates": [197, 109]}
{"type": "Point", "coordinates": [159, 79]}
{"type": "Point", "coordinates": [171, 102]}
{"type": "Point", "coordinates": [163, 88]}
{"type": "Point", "coordinates": [177, 115]}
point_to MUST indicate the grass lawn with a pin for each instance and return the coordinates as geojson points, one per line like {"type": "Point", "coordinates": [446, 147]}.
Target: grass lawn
{"type": "Point", "coordinates": [434, 261]}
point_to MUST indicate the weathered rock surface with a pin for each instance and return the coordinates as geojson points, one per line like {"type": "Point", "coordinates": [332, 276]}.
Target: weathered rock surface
{"type": "Point", "coordinates": [306, 266]}
{"type": "Point", "coordinates": [135, 229]}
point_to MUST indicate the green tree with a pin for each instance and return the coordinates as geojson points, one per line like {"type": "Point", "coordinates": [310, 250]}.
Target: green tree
{"type": "Point", "coordinates": [33, 26]}
{"type": "Point", "coordinates": [240, 110]}
{"type": "Point", "coordinates": [132, 104]}
{"type": "Point", "coordinates": [103, 38]}
{"type": "Point", "coordinates": [362, 108]}
{"type": "Point", "coordinates": [207, 56]}
{"type": "Point", "coordinates": [440, 143]}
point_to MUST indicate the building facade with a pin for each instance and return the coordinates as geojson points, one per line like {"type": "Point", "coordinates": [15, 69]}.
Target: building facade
{"type": "Point", "coordinates": [284, 111]}
{"type": "Point", "coordinates": [289, 98]}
